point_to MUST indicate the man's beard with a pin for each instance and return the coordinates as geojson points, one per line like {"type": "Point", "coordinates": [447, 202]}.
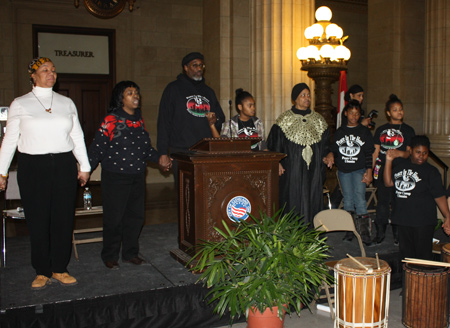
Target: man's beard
{"type": "Point", "coordinates": [197, 78]}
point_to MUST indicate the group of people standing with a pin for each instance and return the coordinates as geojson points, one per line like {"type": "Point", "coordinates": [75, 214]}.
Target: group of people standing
{"type": "Point", "coordinates": [408, 188]}
{"type": "Point", "coordinates": [44, 126]}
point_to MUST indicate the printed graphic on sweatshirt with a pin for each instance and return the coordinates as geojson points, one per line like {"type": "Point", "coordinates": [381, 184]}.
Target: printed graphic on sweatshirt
{"type": "Point", "coordinates": [349, 148]}
{"type": "Point", "coordinates": [197, 105]}
{"type": "Point", "coordinates": [248, 132]}
{"type": "Point", "coordinates": [391, 139]}
{"type": "Point", "coordinates": [405, 181]}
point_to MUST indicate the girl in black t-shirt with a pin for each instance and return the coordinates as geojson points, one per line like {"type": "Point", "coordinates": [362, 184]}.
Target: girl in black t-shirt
{"type": "Point", "coordinates": [352, 151]}
{"type": "Point", "coordinates": [395, 136]}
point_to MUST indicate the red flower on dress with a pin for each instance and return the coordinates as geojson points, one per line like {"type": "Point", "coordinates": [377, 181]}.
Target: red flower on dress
{"type": "Point", "coordinates": [133, 124]}
{"type": "Point", "coordinates": [108, 126]}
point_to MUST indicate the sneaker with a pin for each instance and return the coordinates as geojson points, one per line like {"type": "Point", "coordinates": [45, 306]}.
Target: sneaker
{"type": "Point", "coordinates": [40, 282]}
{"type": "Point", "coordinates": [396, 242]}
{"type": "Point", "coordinates": [64, 279]}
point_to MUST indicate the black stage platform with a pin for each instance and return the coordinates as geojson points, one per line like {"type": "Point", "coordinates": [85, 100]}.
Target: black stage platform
{"type": "Point", "coordinates": [160, 293]}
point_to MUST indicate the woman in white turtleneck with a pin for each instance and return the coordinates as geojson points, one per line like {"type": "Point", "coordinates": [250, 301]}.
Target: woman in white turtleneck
{"type": "Point", "coordinates": [43, 125]}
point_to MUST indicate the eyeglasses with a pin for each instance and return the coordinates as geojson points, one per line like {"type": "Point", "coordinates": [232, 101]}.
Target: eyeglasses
{"type": "Point", "coordinates": [202, 66]}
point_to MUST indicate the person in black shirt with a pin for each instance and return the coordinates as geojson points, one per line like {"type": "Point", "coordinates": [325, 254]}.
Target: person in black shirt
{"type": "Point", "coordinates": [187, 109]}
{"type": "Point", "coordinates": [394, 135]}
{"type": "Point", "coordinates": [418, 188]}
{"type": "Point", "coordinates": [123, 146]}
{"type": "Point", "coordinates": [352, 151]}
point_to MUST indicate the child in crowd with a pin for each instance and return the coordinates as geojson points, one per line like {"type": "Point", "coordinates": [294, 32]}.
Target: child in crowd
{"type": "Point", "coordinates": [352, 151]}
{"type": "Point", "coordinates": [394, 135]}
{"type": "Point", "coordinates": [245, 124]}
{"type": "Point", "coordinates": [418, 188]}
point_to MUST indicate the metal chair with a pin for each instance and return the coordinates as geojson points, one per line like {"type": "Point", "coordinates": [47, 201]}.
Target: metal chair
{"type": "Point", "coordinates": [11, 193]}
{"type": "Point", "coordinates": [335, 220]}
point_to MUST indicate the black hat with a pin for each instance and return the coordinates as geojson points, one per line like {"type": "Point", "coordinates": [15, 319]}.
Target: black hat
{"type": "Point", "coordinates": [190, 57]}
{"type": "Point", "coordinates": [297, 89]}
{"type": "Point", "coordinates": [355, 88]}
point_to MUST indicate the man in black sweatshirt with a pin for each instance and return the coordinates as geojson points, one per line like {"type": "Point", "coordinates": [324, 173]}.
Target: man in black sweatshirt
{"type": "Point", "coordinates": [183, 110]}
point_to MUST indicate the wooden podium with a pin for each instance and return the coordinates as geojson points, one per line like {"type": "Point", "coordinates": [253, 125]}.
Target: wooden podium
{"type": "Point", "coordinates": [222, 179]}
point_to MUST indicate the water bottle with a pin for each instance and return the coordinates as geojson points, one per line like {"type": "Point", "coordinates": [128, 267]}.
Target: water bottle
{"type": "Point", "coordinates": [87, 199]}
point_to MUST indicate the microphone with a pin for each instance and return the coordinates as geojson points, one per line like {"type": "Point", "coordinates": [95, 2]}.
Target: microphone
{"type": "Point", "coordinates": [230, 107]}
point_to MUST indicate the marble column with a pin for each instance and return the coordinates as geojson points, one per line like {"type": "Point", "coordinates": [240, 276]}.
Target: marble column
{"type": "Point", "coordinates": [277, 29]}
{"type": "Point", "coordinates": [437, 77]}
{"type": "Point", "coordinates": [252, 44]}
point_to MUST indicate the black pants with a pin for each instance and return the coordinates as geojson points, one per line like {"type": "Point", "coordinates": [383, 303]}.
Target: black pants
{"type": "Point", "coordinates": [48, 186]}
{"type": "Point", "coordinates": [123, 198]}
{"type": "Point", "coordinates": [385, 196]}
{"type": "Point", "coordinates": [416, 242]}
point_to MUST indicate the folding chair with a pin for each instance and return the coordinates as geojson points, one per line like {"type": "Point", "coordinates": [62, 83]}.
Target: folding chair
{"type": "Point", "coordinates": [82, 212]}
{"type": "Point", "coordinates": [336, 220]}
{"type": "Point", "coordinates": [11, 193]}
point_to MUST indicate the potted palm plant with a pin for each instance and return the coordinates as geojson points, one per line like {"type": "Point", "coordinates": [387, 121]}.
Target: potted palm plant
{"type": "Point", "coordinates": [268, 265]}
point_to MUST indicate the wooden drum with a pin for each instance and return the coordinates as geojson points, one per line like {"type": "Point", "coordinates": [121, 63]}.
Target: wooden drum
{"type": "Point", "coordinates": [446, 253]}
{"type": "Point", "coordinates": [362, 296]}
{"type": "Point", "coordinates": [425, 301]}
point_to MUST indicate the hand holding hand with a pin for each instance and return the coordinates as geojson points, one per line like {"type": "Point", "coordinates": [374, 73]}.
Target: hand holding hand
{"type": "Point", "coordinates": [329, 160]}
{"type": "Point", "coordinates": [83, 177]}
{"type": "Point", "coordinates": [165, 163]}
{"type": "Point", "coordinates": [212, 119]}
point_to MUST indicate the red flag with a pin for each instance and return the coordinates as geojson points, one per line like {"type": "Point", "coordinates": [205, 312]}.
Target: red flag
{"type": "Point", "coordinates": [341, 103]}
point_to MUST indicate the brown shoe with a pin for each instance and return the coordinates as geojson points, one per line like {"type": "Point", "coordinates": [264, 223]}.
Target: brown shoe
{"type": "Point", "coordinates": [113, 265]}
{"type": "Point", "coordinates": [135, 260]}
{"type": "Point", "coordinates": [40, 282]}
{"type": "Point", "coordinates": [64, 279]}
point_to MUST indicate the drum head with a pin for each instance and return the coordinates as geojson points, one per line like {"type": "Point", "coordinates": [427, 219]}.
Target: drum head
{"type": "Point", "coordinates": [424, 269]}
{"type": "Point", "coordinates": [348, 265]}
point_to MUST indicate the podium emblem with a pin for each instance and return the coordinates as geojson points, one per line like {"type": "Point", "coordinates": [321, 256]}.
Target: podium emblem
{"type": "Point", "coordinates": [238, 209]}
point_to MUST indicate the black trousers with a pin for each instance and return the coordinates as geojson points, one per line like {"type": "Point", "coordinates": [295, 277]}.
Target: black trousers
{"type": "Point", "coordinates": [385, 196]}
{"type": "Point", "coordinates": [416, 242]}
{"type": "Point", "coordinates": [48, 187]}
{"type": "Point", "coordinates": [123, 197]}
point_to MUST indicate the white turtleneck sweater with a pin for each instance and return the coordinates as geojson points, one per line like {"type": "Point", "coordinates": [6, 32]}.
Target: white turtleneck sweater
{"type": "Point", "coordinates": [35, 132]}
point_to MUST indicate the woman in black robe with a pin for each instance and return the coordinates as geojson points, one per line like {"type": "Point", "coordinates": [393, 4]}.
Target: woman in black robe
{"type": "Point", "coordinates": [303, 135]}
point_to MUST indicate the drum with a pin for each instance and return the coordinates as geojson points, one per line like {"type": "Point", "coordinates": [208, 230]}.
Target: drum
{"type": "Point", "coordinates": [446, 253]}
{"type": "Point", "coordinates": [362, 296]}
{"type": "Point", "coordinates": [425, 301]}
